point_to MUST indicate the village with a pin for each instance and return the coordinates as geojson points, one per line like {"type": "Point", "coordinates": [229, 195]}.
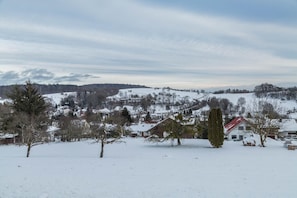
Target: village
{"type": "Point", "coordinates": [152, 110]}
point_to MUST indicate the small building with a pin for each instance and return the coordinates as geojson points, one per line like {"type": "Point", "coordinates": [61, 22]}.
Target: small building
{"type": "Point", "coordinates": [288, 128]}
{"type": "Point", "coordinates": [237, 129]}
{"type": "Point", "coordinates": [8, 138]}
{"type": "Point", "coordinates": [141, 129]}
{"type": "Point", "coordinates": [161, 128]}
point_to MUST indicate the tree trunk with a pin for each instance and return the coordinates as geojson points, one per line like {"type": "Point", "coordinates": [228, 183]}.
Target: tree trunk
{"type": "Point", "coordinates": [28, 149]}
{"type": "Point", "coordinates": [178, 142]}
{"type": "Point", "coordinates": [262, 139]}
{"type": "Point", "coordinates": [102, 148]}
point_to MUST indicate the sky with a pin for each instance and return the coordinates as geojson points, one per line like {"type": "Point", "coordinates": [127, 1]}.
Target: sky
{"type": "Point", "coordinates": [158, 43]}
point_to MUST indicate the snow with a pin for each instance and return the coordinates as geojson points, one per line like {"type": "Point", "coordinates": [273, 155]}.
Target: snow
{"type": "Point", "coordinates": [2, 101]}
{"type": "Point", "coordinates": [287, 125]}
{"type": "Point", "coordinates": [139, 169]}
{"type": "Point", "coordinates": [164, 94]}
{"type": "Point", "coordinates": [56, 98]}
{"type": "Point", "coordinates": [7, 135]}
{"type": "Point", "coordinates": [141, 127]}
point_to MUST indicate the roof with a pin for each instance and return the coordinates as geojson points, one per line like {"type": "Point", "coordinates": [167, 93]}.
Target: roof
{"type": "Point", "coordinates": [288, 125]}
{"type": "Point", "coordinates": [7, 136]}
{"type": "Point", "coordinates": [142, 127]}
{"type": "Point", "coordinates": [105, 111]}
{"type": "Point", "coordinates": [231, 125]}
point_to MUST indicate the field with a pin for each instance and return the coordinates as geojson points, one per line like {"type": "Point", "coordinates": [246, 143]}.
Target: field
{"type": "Point", "coordinates": [140, 169]}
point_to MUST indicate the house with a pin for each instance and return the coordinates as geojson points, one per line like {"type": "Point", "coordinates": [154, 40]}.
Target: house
{"type": "Point", "coordinates": [288, 128]}
{"type": "Point", "coordinates": [141, 129]}
{"type": "Point", "coordinates": [161, 128]}
{"type": "Point", "coordinates": [237, 129]}
{"type": "Point", "coordinates": [8, 138]}
{"type": "Point", "coordinates": [240, 127]}
{"type": "Point", "coordinates": [104, 113]}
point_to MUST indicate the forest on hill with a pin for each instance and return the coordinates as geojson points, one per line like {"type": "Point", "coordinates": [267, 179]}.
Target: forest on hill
{"type": "Point", "coordinates": [105, 89]}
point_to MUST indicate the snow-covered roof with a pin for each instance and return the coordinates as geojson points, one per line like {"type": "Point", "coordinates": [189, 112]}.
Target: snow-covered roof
{"type": "Point", "coordinates": [141, 127]}
{"type": "Point", "coordinates": [287, 125]}
{"type": "Point", "coordinates": [51, 129]}
{"type": "Point", "coordinates": [7, 135]}
{"type": "Point", "coordinates": [105, 111]}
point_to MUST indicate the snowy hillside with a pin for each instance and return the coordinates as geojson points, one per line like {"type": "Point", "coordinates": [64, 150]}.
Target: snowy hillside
{"type": "Point", "coordinates": [57, 97]}
{"type": "Point", "coordinates": [161, 93]}
{"type": "Point", "coordinates": [171, 95]}
{"type": "Point", "coordinates": [138, 169]}
{"type": "Point", "coordinates": [53, 98]}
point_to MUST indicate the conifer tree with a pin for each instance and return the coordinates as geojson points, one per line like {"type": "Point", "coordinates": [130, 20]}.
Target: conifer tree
{"type": "Point", "coordinates": [29, 108]}
{"type": "Point", "coordinates": [215, 128]}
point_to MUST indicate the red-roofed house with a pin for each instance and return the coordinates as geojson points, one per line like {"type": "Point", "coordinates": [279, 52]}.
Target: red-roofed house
{"type": "Point", "coordinates": [237, 129]}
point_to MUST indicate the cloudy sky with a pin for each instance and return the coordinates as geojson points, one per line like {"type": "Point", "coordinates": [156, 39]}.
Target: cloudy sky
{"type": "Point", "coordinates": [181, 44]}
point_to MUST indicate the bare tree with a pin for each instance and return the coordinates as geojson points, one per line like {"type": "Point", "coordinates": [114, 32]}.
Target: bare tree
{"type": "Point", "coordinates": [105, 137]}
{"type": "Point", "coordinates": [240, 104]}
{"type": "Point", "coordinates": [264, 115]}
{"type": "Point", "coordinates": [101, 132]}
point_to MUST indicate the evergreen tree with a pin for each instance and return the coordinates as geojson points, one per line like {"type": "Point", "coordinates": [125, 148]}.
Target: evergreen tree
{"type": "Point", "coordinates": [148, 117]}
{"type": "Point", "coordinates": [126, 115]}
{"type": "Point", "coordinates": [215, 128]}
{"type": "Point", "coordinates": [29, 109]}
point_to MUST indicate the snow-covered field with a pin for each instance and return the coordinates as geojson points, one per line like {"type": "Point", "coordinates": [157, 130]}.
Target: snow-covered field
{"type": "Point", "coordinates": [139, 169]}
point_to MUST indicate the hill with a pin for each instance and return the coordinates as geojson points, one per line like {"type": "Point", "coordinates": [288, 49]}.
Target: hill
{"type": "Point", "coordinates": [177, 100]}
{"type": "Point", "coordinates": [109, 89]}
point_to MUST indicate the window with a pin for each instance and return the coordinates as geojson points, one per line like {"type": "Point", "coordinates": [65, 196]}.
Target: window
{"type": "Point", "coordinates": [233, 137]}
{"type": "Point", "coordinates": [240, 128]}
{"type": "Point", "coordinates": [241, 137]}
{"type": "Point", "coordinates": [248, 128]}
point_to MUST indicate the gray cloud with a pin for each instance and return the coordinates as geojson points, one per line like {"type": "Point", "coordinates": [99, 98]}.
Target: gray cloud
{"type": "Point", "coordinates": [142, 43]}
{"type": "Point", "coordinates": [37, 74]}
{"type": "Point", "coordinates": [8, 77]}
{"type": "Point", "coordinates": [42, 76]}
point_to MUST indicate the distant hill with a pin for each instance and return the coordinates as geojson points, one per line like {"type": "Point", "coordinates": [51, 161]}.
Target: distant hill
{"type": "Point", "coordinates": [109, 89]}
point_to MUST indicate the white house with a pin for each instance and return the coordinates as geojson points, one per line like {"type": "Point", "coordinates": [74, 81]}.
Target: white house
{"type": "Point", "coordinates": [237, 129]}
{"type": "Point", "coordinates": [288, 128]}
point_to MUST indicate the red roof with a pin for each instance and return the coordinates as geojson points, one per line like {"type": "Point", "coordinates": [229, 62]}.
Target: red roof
{"type": "Point", "coordinates": [233, 123]}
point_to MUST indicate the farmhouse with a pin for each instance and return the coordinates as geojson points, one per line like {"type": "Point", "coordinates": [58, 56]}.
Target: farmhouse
{"type": "Point", "coordinates": [237, 129]}
{"type": "Point", "coordinates": [240, 127]}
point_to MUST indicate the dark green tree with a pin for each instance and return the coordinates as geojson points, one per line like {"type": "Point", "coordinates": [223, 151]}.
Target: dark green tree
{"type": "Point", "coordinates": [6, 118]}
{"type": "Point", "coordinates": [148, 117]}
{"type": "Point", "coordinates": [215, 128]}
{"type": "Point", "coordinates": [126, 115]}
{"type": "Point", "coordinates": [29, 109]}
